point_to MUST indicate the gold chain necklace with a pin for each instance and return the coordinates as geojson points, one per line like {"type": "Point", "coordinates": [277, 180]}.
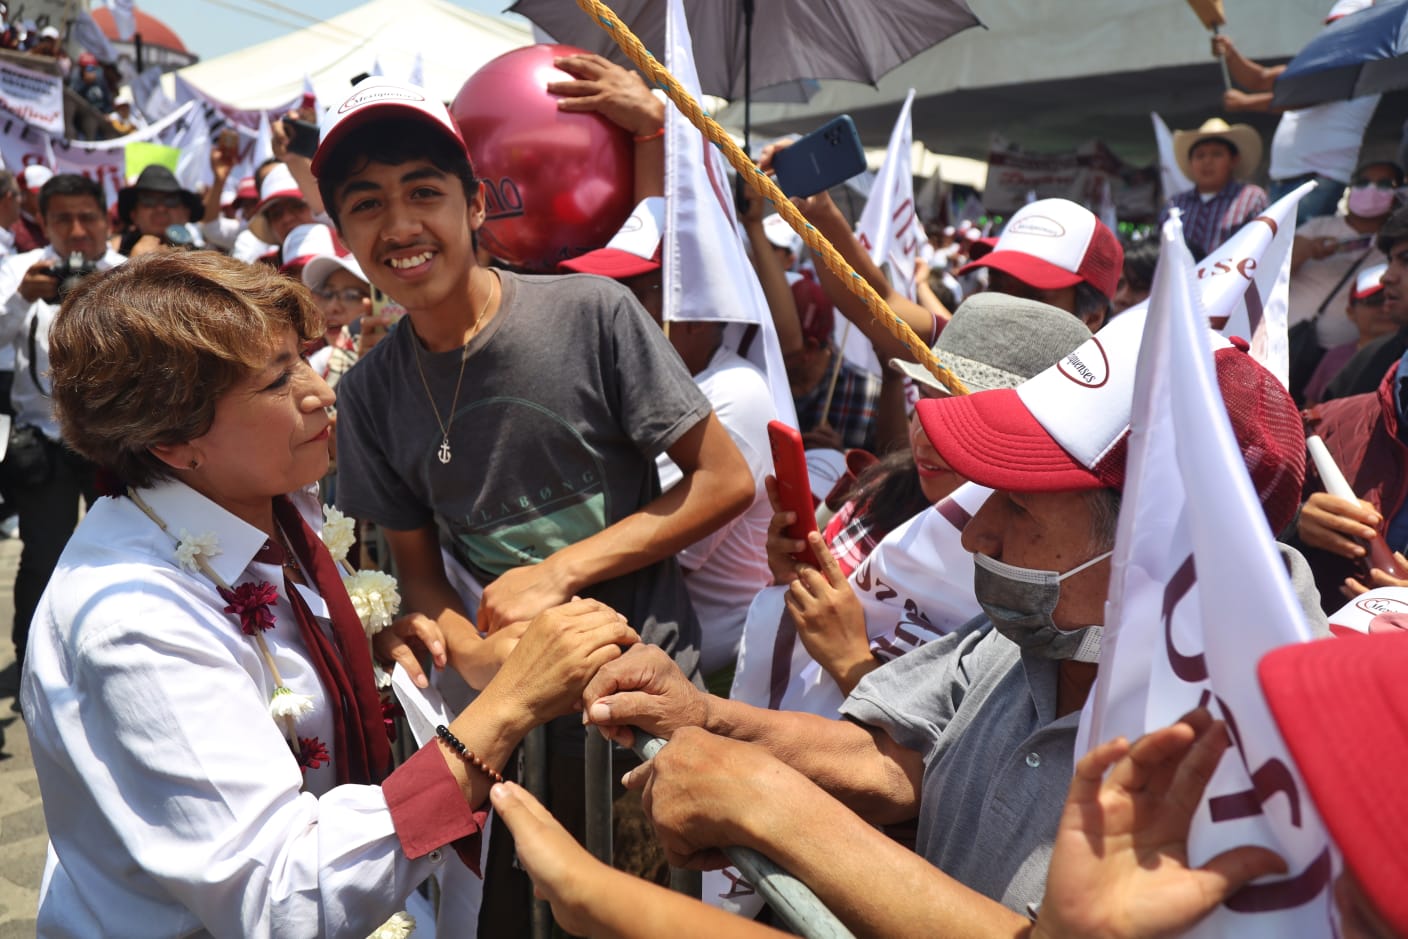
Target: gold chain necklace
{"type": "Point", "coordinates": [444, 451]}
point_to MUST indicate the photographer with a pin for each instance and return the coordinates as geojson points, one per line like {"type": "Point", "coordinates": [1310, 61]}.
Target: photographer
{"type": "Point", "coordinates": [155, 212]}
{"type": "Point", "coordinates": [45, 478]}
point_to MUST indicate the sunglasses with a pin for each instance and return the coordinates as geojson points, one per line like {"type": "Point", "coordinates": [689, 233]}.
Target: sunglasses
{"type": "Point", "coordinates": [1374, 184]}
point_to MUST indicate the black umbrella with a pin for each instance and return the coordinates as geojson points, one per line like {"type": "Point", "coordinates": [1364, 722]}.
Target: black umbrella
{"type": "Point", "coordinates": [1364, 53]}
{"type": "Point", "coordinates": [796, 42]}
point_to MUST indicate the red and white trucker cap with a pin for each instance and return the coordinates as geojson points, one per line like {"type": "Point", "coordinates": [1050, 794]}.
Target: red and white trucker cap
{"type": "Point", "coordinates": [1055, 243]}
{"type": "Point", "coordinates": [377, 98]}
{"type": "Point", "coordinates": [1067, 428]}
{"type": "Point", "coordinates": [1369, 282]}
{"type": "Point", "coordinates": [632, 251]}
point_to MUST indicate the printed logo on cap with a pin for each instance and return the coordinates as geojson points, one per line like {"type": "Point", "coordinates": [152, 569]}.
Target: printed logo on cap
{"type": "Point", "coordinates": [376, 94]}
{"type": "Point", "coordinates": [1041, 226]}
{"type": "Point", "coordinates": [1377, 606]}
{"type": "Point", "coordinates": [1089, 370]}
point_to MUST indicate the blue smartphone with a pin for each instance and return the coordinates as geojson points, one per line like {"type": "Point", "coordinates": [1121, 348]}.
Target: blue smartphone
{"type": "Point", "coordinates": [826, 157]}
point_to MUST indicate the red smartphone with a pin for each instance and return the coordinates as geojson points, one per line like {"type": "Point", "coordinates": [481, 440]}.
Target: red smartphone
{"type": "Point", "coordinates": [794, 488]}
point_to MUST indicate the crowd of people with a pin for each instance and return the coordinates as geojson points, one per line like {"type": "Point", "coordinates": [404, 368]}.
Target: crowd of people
{"type": "Point", "coordinates": [268, 395]}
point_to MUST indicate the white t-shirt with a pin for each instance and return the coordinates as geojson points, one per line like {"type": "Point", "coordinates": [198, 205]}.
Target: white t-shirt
{"type": "Point", "coordinates": [1324, 139]}
{"type": "Point", "coordinates": [726, 569]}
{"type": "Point", "coordinates": [1313, 281]}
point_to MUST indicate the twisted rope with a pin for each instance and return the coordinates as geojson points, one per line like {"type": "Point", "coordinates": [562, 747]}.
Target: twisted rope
{"type": "Point", "coordinates": [765, 187]}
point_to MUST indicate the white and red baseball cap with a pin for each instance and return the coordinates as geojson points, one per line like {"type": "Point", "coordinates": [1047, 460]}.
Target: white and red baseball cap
{"type": "Point", "coordinates": [377, 98]}
{"type": "Point", "coordinates": [1055, 243]}
{"type": "Point", "coordinates": [320, 267]}
{"type": "Point", "coordinates": [278, 184]}
{"type": "Point", "coordinates": [1346, 7]}
{"type": "Point", "coordinates": [1369, 282]}
{"type": "Point", "coordinates": [632, 251]}
{"type": "Point", "coordinates": [1067, 428]}
{"type": "Point", "coordinates": [306, 242]}
{"type": "Point", "coordinates": [781, 235]}
{"type": "Point", "coordinates": [36, 175]}
{"type": "Point", "coordinates": [1342, 708]}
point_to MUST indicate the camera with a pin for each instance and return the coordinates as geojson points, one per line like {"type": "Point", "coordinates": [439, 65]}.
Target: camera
{"type": "Point", "coordinates": [70, 271]}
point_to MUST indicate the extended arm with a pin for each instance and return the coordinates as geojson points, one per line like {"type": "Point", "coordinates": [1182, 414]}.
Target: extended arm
{"type": "Point", "coordinates": [716, 487]}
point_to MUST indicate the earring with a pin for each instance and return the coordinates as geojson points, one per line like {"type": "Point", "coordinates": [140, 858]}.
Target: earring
{"type": "Point", "coordinates": [193, 464]}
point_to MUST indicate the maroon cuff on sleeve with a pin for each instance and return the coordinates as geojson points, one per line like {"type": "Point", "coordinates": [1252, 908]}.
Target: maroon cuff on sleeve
{"type": "Point", "coordinates": [429, 811]}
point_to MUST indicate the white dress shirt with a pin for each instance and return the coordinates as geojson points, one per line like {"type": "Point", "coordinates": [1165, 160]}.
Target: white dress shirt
{"type": "Point", "coordinates": [174, 804]}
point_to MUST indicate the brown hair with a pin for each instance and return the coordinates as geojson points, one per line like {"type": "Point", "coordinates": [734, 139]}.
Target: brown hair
{"type": "Point", "coordinates": [141, 354]}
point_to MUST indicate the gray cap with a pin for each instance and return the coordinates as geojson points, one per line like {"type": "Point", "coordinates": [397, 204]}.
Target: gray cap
{"type": "Point", "coordinates": [996, 340]}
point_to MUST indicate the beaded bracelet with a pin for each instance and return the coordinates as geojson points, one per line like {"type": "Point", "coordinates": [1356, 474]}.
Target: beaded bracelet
{"type": "Point", "coordinates": [467, 754]}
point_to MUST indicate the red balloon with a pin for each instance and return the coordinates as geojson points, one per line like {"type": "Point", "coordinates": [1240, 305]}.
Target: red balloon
{"type": "Point", "coordinates": [556, 184]}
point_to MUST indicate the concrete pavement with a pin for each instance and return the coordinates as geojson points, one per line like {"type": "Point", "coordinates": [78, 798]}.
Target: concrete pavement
{"type": "Point", "coordinates": [22, 834]}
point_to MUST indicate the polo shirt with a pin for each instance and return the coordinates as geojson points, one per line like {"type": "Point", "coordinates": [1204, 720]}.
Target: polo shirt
{"type": "Point", "coordinates": [997, 759]}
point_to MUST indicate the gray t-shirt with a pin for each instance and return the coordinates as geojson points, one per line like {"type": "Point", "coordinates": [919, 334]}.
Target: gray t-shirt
{"type": "Point", "coordinates": [568, 395]}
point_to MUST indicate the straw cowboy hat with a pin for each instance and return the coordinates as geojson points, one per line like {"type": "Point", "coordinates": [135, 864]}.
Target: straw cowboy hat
{"type": "Point", "coordinates": [1243, 138]}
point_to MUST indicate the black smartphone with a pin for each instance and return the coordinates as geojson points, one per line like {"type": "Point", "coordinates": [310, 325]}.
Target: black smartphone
{"type": "Point", "coordinates": [826, 157]}
{"type": "Point", "coordinates": [302, 137]}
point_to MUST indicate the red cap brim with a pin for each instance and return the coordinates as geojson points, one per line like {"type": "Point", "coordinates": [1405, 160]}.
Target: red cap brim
{"type": "Point", "coordinates": [1342, 707]}
{"type": "Point", "coordinates": [1028, 268]}
{"type": "Point", "coordinates": [610, 262]}
{"type": "Point", "coordinates": [992, 439]}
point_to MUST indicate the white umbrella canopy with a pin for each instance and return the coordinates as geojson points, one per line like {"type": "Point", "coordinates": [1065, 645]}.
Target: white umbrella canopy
{"type": "Point", "coordinates": [794, 43]}
{"type": "Point", "coordinates": [451, 42]}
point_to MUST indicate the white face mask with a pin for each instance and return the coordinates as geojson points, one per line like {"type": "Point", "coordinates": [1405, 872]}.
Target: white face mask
{"type": "Point", "coordinates": [1020, 601]}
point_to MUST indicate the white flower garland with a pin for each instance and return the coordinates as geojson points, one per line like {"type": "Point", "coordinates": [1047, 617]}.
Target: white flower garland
{"type": "Point", "coordinates": [375, 595]}
{"type": "Point", "coordinates": [376, 602]}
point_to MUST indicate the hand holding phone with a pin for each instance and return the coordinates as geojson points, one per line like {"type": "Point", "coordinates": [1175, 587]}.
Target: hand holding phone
{"type": "Point", "coordinates": [794, 490]}
{"type": "Point", "coordinates": [826, 157]}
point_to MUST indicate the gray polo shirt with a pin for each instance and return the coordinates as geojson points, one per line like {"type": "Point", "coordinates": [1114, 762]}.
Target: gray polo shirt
{"type": "Point", "coordinates": [997, 760]}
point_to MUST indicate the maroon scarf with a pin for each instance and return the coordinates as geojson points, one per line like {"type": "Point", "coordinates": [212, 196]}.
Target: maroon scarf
{"type": "Point", "coordinates": [361, 750]}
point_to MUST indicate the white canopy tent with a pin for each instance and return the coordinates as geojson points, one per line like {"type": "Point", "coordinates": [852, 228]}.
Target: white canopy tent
{"type": "Point", "coordinates": [452, 42]}
{"type": "Point", "coordinates": [1050, 74]}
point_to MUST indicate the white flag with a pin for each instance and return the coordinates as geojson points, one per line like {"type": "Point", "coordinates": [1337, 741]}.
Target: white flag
{"type": "Point", "coordinates": [90, 36]}
{"type": "Point", "coordinates": [124, 17]}
{"type": "Point", "coordinates": [889, 231]}
{"type": "Point", "coordinates": [264, 142]}
{"type": "Point", "coordinates": [706, 271]}
{"type": "Point", "coordinates": [1171, 178]}
{"type": "Point", "coordinates": [1252, 270]}
{"type": "Point", "coordinates": [1198, 594]}
{"type": "Point", "coordinates": [417, 76]}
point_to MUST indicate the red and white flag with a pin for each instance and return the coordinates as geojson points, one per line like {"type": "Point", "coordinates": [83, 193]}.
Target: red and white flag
{"type": "Point", "coordinates": [1198, 593]}
{"type": "Point", "coordinates": [1249, 276]}
{"type": "Point", "coordinates": [890, 232]}
{"type": "Point", "coordinates": [706, 271]}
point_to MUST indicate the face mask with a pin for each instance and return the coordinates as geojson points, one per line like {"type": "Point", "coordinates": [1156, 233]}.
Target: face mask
{"type": "Point", "coordinates": [1370, 201]}
{"type": "Point", "coordinates": [1020, 601]}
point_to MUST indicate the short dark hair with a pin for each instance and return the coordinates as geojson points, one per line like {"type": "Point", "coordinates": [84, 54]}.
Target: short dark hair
{"type": "Point", "coordinates": [1090, 301]}
{"type": "Point", "coordinates": [1394, 230]}
{"type": "Point", "coordinates": [392, 142]}
{"type": "Point", "coordinates": [1140, 259]}
{"type": "Point", "coordinates": [1397, 170]}
{"type": "Point", "coordinates": [1231, 147]}
{"type": "Point", "coordinates": [71, 184]}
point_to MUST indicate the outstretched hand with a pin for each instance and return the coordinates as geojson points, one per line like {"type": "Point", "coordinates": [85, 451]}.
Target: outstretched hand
{"type": "Point", "coordinates": [1120, 868]}
{"type": "Point", "coordinates": [643, 688]}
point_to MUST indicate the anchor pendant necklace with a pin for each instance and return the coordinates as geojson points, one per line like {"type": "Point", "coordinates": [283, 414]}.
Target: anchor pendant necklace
{"type": "Point", "coordinates": [443, 452]}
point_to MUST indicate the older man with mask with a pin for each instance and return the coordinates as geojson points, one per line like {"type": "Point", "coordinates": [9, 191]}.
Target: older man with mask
{"type": "Point", "coordinates": [975, 732]}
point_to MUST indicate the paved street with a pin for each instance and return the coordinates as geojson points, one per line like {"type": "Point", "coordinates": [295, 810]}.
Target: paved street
{"type": "Point", "coordinates": [22, 836]}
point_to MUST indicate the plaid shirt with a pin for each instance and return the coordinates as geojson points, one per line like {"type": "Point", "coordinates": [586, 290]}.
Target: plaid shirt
{"type": "Point", "coordinates": [852, 411]}
{"type": "Point", "coordinates": [1208, 224]}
